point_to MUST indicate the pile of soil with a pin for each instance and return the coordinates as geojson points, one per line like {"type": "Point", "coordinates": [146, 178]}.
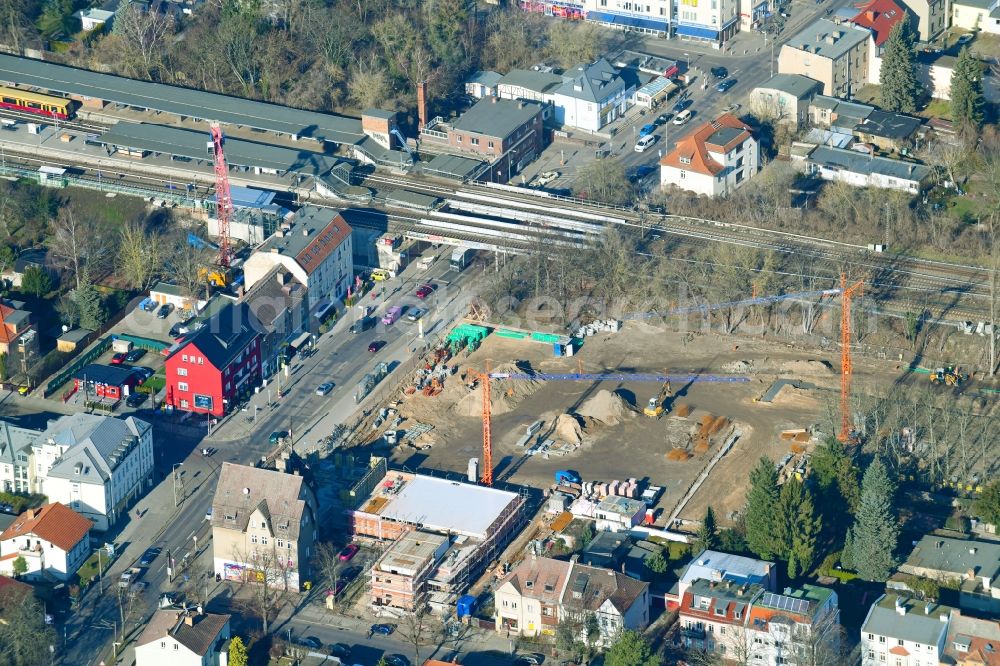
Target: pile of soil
{"type": "Point", "coordinates": [605, 407]}
{"type": "Point", "coordinates": [809, 367]}
{"type": "Point", "coordinates": [790, 396]}
{"type": "Point", "coordinates": [568, 429]}
{"type": "Point", "coordinates": [678, 455]}
{"type": "Point", "coordinates": [683, 409]}
{"type": "Point", "coordinates": [738, 367]}
{"type": "Point", "coordinates": [505, 394]}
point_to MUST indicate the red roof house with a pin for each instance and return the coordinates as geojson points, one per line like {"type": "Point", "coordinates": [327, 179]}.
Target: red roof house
{"type": "Point", "coordinates": [879, 16]}
{"type": "Point", "coordinates": [53, 540]}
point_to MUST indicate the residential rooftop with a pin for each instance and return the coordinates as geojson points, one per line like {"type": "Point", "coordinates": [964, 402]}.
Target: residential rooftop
{"type": "Point", "coordinates": [827, 39]}
{"type": "Point", "coordinates": [855, 162]}
{"type": "Point", "coordinates": [907, 619]}
{"type": "Point", "coordinates": [592, 82]}
{"type": "Point", "coordinates": [793, 84]}
{"type": "Point", "coordinates": [711, 565]}
{"type": "Point", "coordinates": [529, 79]}
{"type": "Point", "coordinates": [194, 630]}
{"type": "Point", "coordinates": [889, 125]}
{"type": "Point", "coordinates": [623, 506]}
{"type": "Point", "coordinates": [972, 640]}
{"type": "Point", "coordinates": [241, 490]}
{"type": "Point", "coordinates": [310, 236]}
{"type": "Point", "coordinates": [95, 445]}
{"type": "Point", "coordinates": [958, 557]}
{"type": "Point", "coordinates": [56, 523]}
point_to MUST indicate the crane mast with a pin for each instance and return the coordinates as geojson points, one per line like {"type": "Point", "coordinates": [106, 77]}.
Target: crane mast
{"type": "Point", "coordinates": [223, 196]}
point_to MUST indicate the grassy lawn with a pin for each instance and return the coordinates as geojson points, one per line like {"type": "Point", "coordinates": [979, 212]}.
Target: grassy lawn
{"type": "Point", "coordinates": [938, 108]}
{"type": "Point", "coordinates": [88, 570]}
{"type": "Point", "coordinates": [155, 384]}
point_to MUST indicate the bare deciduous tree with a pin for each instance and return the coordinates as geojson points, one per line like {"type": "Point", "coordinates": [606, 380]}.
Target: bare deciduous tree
{"type": "Point", "coordinates": [265, 577]}
{"type": "Point", "coordinates": [369, 83]}
{"type": "Point", "coordinates": [139, 255]}
{"type": "Point", "coordinates": [143, 34]}
{"type": "Point", "coordinates": [74, 242]}
{"type": "Point", "coordinates": [420, 628]}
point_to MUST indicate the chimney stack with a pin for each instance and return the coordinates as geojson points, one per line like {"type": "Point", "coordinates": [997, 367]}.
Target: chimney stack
{"type": "Point", "coordinates": [421, 105]}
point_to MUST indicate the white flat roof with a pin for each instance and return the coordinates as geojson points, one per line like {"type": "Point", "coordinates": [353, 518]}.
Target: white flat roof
{"type": "Point", "coordinates": [443, 505]}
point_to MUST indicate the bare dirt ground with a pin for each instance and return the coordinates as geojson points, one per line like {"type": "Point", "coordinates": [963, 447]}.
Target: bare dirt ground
{"type": "Point", "coordinates": [627, 443]}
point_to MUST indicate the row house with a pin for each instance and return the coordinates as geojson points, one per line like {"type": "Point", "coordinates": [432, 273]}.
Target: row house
{"type": "Point", "coordinates": [972, 566]}
{"type": "Point", "coordinates": [184, 638]}
{"type": "Point", "coordinates": [540, 593]}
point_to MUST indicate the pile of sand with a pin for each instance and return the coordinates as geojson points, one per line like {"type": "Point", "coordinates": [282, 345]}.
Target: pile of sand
{"type": "Point", "coordinates": [792, 396]}
{"type": "Point", "coordinates": [605, 407]}
{"type": "Point", "coordinates": [682, 410]}
{"type": "Point", "coordinates": [678, 455]}
{"type": "Point", "coordinates": [568, 429]}
{"type": "Point", "coordinates": [809, 367]}
{"type": "Point", "coordinates": [738, 367]}
{"type": "Point", "coordinates": [505, 394]}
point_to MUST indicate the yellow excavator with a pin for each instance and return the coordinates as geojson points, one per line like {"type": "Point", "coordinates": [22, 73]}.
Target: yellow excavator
{"type": "Point", "coordinates": [949, 376]}
{"type": "Point", "coordinates": [654, 408]}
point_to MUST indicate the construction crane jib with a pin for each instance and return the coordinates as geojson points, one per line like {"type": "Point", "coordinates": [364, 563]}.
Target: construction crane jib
{"type": "Point", "coordinates": [846, 295]}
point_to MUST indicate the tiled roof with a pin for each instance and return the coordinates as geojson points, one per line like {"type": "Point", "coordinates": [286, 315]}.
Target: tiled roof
{"type": "Point", "coordinates": [55, 523]}
{"type": "Point", "coordinates": [879, 16]}
{"type": "Point", "coordinates": [974, 640]}
{"type": "Point", "coordinates": [242, 490]}
{"type": "Point", "coordinates": [197, 637]}
{"type": "Point", "coordinates": [722, 602]}
{"type": "Point", "coordinates": [539, 578]}
{"type": "Point", "coordinates": [827, 39]}
{"type": "Point", "coordinates": [313, 235]}
{"type": "Point", "coordinates": [95, 445]}
{"type": "Point", "coordinates": [593, 82]}
{"type": "Point", "coordinates": [691, 152]}
{"type": "Point", "coordinates": [590, 587]}
{"type": "Point", "coordinates": [11, 319]}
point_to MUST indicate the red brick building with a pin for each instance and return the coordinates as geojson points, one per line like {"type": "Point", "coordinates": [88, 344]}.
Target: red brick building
{"type": "Point", "coordinates": [218, 365]}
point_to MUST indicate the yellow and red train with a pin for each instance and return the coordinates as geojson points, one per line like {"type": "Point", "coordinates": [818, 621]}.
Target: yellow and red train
{"type": "Point", "coordinates": [42, 105]}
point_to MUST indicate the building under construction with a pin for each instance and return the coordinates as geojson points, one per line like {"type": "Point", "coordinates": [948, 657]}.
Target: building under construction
{"type": "Point", "coordinates": [478, 523]}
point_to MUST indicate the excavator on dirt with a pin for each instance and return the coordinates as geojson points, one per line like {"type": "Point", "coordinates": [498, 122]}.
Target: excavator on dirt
{"type": "Point", "coordinates": [654, 408]}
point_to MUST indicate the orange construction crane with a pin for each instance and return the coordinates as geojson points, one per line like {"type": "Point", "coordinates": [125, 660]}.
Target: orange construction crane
{"type": "Point", "coordinates": [846, 293]}
{"type": "Point", "coordinates": [487, 435]}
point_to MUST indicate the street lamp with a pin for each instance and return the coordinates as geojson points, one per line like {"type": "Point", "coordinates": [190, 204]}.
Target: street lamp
{"type": "Point", "coordinates": [687, 56]}
{"type": "Point", "coordinates": [173, 473]}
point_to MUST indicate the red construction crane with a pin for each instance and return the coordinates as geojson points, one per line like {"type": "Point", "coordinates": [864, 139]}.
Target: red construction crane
{"type": "Point", "coordinates": [223, 197]}
{"type": "Point", "coordinates": [487, 434]}
{"type": "Point", "coordinates": [846, 293]}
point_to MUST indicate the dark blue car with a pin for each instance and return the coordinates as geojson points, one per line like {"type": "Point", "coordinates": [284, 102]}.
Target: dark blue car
{"type": "Point", "coordinates": [646, 130]}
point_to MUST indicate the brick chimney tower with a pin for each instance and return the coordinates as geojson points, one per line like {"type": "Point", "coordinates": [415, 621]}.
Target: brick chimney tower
{"type": "Point", "coordinates": [421, 105]}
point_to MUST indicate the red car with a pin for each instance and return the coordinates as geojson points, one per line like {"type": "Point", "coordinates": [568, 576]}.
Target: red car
{"type": "Point", "coordinates": [350, 550]}
{"type": "Point", "coordinates": [425, 290]}
{"type": "Point", "coordinates": [118, 359]}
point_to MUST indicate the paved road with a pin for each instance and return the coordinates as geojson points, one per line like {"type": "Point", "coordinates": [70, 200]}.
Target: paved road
{"type": "Point", "coordinates": [340, 357]}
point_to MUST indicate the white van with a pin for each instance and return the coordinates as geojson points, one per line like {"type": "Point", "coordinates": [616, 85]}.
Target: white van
{"type": "Point", "coordinates": [645, 142]}
{"type": "Point", "coordinates": [682, 117]}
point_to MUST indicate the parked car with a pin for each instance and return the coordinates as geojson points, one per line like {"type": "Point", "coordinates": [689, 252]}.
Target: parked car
{"type": "Point", "coordinates": [149, 305]}
{"type": "Point", "coordinates": [645, 142]}
{"type": "Point", "coordinates": [384, 629]}
{"type": "Point", "coordinates": [646, 130]}
{"type": "Point", "coordinates": [425, 290]}
{"type": "Point", "coordinates": [546, 177]}
{"type": "Point", "coordinates": [150, 555]}
{"type": "Point", "coordinates": [118, 358]}
{"type": "Point", "coordinates": [680, 106]}
{"type": "Point", "coordinates": [277, 436]}
{"type": "Point", "coordinates": [725, 85]}
{"type": "Point", "coordinates": [735, 106]}
{"type": "Point", "coordinates": [135, 355]}
{"type": "Point", "coordinates": [414, 314]}
{"type": "Point", "coordinates": [340, 650]}
{"type": "Point", "coordinates": [311, 642]}
{"type": "Point", "coordinates": [682, 117]}
{"type": "Point", "coordinates": [532, 659]}
{"type": "Point", "coordinates": [144, 373]}
{"type": "Point", "coordinates": [376, 345]}
{"type": "Point", "coordinates": [164, 311]}
{"type": "Point", "coordinates": [662, 118]}
{"type": "Point", "coordinates": [178, 329]}
{"type": "Point", "coordinates": [349, 551]}
{"type": "Point", "coordinates": [324, 388]}
{"type": "Point", "coordinates": [208, 514]}
{"type": "Point", "coordinates": [397, 660]}
{"type": "Point", "coordinates": [644, 171]}
{"type": "Point", "coordinates": [965, 39]}
{"type": "Point", "coordinates": [719, 72]}
{"type": "Point", "coordinates": [136, 399]}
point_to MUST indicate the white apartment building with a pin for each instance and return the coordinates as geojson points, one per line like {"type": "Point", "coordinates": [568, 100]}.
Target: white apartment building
{"type": "Point", "coordinates": [645, 16]}
{"type": "Point", "coordinates": [15, 457]}
{"type": "Point", "coordinates": [96, 465]}
{"type": "Point", "coordinates": [780, 626]}
{"type": "Point", "coordinates": [904, 632]}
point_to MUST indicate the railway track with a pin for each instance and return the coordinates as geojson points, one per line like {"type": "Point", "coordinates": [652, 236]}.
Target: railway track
{"type": "Point", "coordinates": [76, 125]}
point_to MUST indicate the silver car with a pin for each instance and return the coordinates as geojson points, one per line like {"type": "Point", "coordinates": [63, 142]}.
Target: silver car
{"type": "Point", "coordinates": [324, 388]}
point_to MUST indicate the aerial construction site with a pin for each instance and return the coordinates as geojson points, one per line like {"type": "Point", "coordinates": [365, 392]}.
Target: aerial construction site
{"type": "Point", "coordinates": [684, 420]}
